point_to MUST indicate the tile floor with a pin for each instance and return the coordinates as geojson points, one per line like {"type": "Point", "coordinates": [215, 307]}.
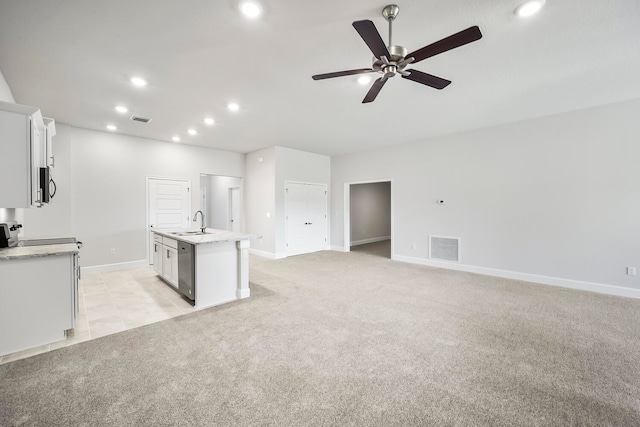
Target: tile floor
{"type": "Point", "coordinates": [114, 302]}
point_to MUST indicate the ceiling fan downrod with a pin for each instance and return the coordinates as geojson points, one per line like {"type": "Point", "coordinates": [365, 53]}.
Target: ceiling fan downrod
{"type": "Point", "coordinates": [389, 13]}
{"type": "Point", "coordinates": [390, 66]}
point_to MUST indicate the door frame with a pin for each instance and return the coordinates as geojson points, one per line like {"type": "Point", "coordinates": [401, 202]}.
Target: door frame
{"type": "Point", "coordinates": [146, 209]}
{"type": "Point", "coordinates": [286, 210]}
{"type": "Point", "coordinates": [230, 205]}
{"type": "Point", "coordinates": [347, 211]}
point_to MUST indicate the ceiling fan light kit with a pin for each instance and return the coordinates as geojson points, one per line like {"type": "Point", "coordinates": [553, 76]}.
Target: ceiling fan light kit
{"type": "Point", "coordinates": [390, 60]}
{"type": "Point", "coordinates": [529, 8]}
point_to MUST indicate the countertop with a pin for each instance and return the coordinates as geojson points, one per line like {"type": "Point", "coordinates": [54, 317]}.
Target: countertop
{"type": "Point", "coordinates": [213, 236]}
{"type": "Point", "coordinates": [37, 251]}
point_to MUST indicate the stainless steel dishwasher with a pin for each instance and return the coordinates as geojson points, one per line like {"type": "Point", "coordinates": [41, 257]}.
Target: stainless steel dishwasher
{"type": "Point", "coordinates": [187, 270]}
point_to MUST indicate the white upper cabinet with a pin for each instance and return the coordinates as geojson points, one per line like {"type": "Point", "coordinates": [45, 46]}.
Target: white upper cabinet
{"type": "Point", "coordinates": [50, 132]}
{"type": "Point", "coordinates": [25, 140]}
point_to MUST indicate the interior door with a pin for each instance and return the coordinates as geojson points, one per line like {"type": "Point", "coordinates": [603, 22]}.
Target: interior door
{"type": "Point", "coordinates": [306, 216]}
{"type": "Point", "coordinates": [169, 206]}
{"type": "Point", "coordinates": [234, 209]}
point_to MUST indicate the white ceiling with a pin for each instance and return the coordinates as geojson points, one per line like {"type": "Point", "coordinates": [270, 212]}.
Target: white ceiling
{"type": "Point", "coordinates": [73, 59]}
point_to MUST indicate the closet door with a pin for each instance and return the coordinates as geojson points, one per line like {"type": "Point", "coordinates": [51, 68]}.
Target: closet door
{"type": "Point", "coordinates": [306, 218]}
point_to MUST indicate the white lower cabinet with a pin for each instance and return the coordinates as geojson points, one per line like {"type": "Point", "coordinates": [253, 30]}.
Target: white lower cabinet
{"type": "Point", "coordinates": [38, 300]}
{"type": "Point", "coordinates": [165, 259]}
{"type": "Point", "coordinates": [157, 254]}
{"type": "Point", "coordinates": [170, 266]}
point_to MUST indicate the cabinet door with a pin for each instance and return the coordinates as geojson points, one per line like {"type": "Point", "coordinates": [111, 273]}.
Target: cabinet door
{"type": "Point", "coordinates": [169, 264]}
{"type": "Point", "coordinates": [157, 258]}
{"type": "Point", "coordinates": [174, 267]}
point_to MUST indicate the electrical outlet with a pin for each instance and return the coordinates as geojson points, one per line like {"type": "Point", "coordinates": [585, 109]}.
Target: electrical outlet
{"type": "Point", "coordinates": [631, 271]}
{"type": "Point", "coordinates": [113, 251]}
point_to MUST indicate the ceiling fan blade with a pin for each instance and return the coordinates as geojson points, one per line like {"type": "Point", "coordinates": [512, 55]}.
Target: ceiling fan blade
{"type": "Point", "coordinates": [342, 73]}
{"type": "Point", "coordinates": [371, 37]}
{"type": "Point", "coordinates": [456, 40]}
{"type": "Point", "coordinates": [375, 89]}
{"type": "Point", "coordinates": [427, 79]}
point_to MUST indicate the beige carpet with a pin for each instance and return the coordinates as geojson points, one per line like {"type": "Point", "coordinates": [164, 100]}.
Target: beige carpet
{"type": "Point", "coordinates": [351, 339]}
{"type": "Point", "coordinates": [381, 249]}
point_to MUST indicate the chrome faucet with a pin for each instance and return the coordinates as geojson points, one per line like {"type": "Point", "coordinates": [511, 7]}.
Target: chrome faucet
{"type": "Point", "coordinates": [202, 226]}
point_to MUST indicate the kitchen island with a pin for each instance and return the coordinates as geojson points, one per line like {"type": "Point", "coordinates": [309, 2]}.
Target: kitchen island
{"type": "Point", "coordinates": [209, 268]}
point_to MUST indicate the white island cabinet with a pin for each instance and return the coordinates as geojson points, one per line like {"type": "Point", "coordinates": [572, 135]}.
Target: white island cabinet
{"type": "Point", "coordinates": [220, 264]}
{"type": "Point", "coordinates": [165, 258]}
{"type": "Point", "coordinates": [38, 295]}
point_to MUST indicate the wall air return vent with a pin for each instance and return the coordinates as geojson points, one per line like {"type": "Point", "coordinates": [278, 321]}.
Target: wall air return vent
{"type": "Point", "coordinates": [140, 119]}
{"type": "Point", "coordinates": [444, 248]}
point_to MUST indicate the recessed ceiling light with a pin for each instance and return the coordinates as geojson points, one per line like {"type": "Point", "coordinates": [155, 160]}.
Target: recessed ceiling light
{"type": "Point", "coordinates": [364, 80]}
{"type": "Point", "coordinates": [175, 138]}
{"type": "Point", "coordinates": [192, 132]}
{"type": "Point", "coordinates": [233, 106]}
{"type": "Point", "coordinates": [250, 9]}
{"type": "Point", "coordinates": [209, 121]}
{"type": "Point", "coordinates": [529, 8]}
{"type": "Point", "coordinates": [112, 128]}
{"type": "Point", "coordinates": [138, 81]}
{"type": "Point", "coordinates": [121, 109]}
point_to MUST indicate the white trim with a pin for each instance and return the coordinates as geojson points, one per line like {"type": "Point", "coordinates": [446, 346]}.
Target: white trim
{"type": "Point", "coordinates": [534, 278]}
{"type": "Point", "coordinates": [263, 254]}
{"type": "Point", "coordinates": [243, 293]}
{"type": "Point", "coordinates": [371, 240]}
{"type": "Point", "coordinates": [338, 248]}
{"type": "Point", "coordinates": [347, 211]}
{"type": "Point", "coordinates": [346, 239]}
{"type": "Point", "coordinates": [114, 267]}
{"type": "Point", "coordinates": [230, 206]}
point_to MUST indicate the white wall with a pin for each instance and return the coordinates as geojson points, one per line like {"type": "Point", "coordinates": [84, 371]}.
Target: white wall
{"type": "Point", "coordinates": [107, 187]}
{"type": "Point", "coordinates": [265, 192]}
{"type": "Point", "coordinates": [557, 197]}
{"type": "Point", "coordinates": [5, 91]}
{"type": "Point", "coordinates": [370, 212]}
{"type": "Point", "coordinates": [259, 198]}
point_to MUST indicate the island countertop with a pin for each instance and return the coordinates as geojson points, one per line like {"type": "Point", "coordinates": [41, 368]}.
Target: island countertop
{"type": "Point", "coordinates": [212, 235]}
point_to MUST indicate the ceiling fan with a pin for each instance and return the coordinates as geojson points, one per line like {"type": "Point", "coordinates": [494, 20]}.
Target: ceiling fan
{"type": "Point", "coordinates": [393, 59]}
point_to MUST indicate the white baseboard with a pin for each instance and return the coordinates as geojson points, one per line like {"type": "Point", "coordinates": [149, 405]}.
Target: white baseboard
{"type": "Point", "coordinates": [266, 254]}
{"type": "Point", "coordinates": [337, 248]}
{"type": "Point", "coordinates": [243, 293]}
{"type": "Point", "coordinates": [371, 240]}
{"type": "Point", "coordinates": [263, 254]}
{"type": "Point", "coordinates": [526, 277]}
{"type": "Point", "coordinates": [114, 267]}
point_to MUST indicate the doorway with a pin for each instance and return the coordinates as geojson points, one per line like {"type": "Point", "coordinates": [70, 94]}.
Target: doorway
{"type": "Point", "coordinates": [168, 206]}
{"type": "Point", "coordinates": [221, 201]}
{"type": "Point", "coordinates": [369, 218]}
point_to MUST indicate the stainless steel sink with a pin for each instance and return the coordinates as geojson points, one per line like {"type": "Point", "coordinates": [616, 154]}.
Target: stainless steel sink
{"type": "Point", "coordinates": [188, 233]}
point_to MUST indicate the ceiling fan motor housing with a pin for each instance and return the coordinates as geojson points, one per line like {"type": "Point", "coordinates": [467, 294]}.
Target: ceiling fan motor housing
{"type": "Point", "coordinates": [397, 55]}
